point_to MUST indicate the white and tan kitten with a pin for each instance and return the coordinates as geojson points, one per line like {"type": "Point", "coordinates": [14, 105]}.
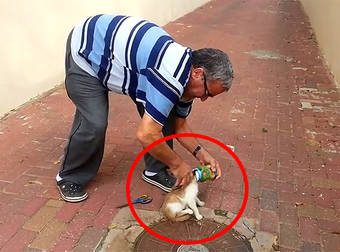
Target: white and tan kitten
{"type": "Point", "coordinates": [179, 204]}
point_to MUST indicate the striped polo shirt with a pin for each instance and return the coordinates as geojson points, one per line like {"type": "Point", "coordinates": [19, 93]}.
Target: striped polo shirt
{"type": "Point", "coordinates": [134, 57]}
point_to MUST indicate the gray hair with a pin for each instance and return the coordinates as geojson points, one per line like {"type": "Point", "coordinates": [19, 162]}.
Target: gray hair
{"type": "Point", "coordinates": [216, 65]}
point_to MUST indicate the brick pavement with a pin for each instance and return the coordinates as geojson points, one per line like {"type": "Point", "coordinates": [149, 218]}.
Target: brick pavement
{"type": "Point", "coordinates": [282, 114]}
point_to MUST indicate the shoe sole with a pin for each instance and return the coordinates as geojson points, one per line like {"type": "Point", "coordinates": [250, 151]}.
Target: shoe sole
{"type": "Point", "coordinates": [150, 181]}
{"type": "Point", "coordinates": [73, 199]}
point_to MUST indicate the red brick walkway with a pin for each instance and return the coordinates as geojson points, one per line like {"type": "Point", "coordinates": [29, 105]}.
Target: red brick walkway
{"type": "Point", "coordinates": [282, 115]}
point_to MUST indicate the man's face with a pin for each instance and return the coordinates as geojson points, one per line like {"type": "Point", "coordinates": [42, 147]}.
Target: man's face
{"type": "Point", "coordinates": [200, 87]}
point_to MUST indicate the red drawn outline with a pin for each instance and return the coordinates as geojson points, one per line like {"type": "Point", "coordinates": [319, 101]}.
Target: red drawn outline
{"type": "Point", "coordinates": [238, 216]}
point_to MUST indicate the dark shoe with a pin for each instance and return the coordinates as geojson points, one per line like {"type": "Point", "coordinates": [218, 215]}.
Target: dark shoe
{"type": "Point", "coordinates": [162, 180]}
{"type": "Point", "coordinates": [72, 192]}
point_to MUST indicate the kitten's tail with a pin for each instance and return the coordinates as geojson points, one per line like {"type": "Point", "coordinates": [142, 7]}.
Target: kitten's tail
{"type": "Point", "coordinates": [182, 217]}
{"type": "Point", "coordinates": [179, 216]}
{"type": "Point", "coordinates": [175, 216]}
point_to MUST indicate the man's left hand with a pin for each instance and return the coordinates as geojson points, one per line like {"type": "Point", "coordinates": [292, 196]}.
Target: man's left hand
{"type": "Point", "coordinates": [206, 159]}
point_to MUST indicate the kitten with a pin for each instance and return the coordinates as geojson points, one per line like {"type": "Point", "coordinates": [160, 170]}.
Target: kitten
{"type": "Point", "coordinates": [181, 203]}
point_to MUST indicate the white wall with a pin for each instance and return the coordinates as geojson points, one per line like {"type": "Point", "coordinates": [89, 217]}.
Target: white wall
{"type": "Point", "coordinates": [325, 20]}
{"type": "Point", "coordinates": [33, 36]}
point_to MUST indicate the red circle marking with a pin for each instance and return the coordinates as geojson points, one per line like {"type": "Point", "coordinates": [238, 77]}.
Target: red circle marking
{"type": "Point", "coordinates": [238, 216]}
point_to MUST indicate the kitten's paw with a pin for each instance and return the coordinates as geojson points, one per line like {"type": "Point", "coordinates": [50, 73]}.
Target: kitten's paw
{"type": "Point", "coordinates": [199, 217]}
{"type": "Point", "coordinates": [189, 211]}
{"type": "Point", "coordinates": [201, 203]}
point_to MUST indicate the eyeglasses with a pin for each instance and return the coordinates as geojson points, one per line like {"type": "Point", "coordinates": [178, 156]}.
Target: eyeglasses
{"type": "Point", "coordinates": [206, 91]}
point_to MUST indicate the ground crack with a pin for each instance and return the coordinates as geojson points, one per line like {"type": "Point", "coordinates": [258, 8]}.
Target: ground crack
{"type": "Point", "coordinates": [252, 231]}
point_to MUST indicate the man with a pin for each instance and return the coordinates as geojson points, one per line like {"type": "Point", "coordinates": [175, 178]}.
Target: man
{"type": "Point", "coordinates": [134, 57]}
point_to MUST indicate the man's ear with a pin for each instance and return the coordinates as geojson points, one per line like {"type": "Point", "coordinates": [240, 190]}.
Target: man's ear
{"type": "Point", "coordinates": [197, 72]}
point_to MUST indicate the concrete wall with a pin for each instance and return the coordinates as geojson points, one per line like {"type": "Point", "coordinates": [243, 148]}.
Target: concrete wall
{"type": "Point", "coordinates": [325, 20]}
{"type": "Point", "coordinates": [33, 35]}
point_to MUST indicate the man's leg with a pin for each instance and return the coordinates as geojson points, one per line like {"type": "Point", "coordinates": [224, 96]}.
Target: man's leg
{"type": "Point", "coordinates": [85, 148]}
{"type": "Point", "coordinates": [155, 171]}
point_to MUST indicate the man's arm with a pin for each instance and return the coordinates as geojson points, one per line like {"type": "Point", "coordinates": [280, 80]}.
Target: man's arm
{"type": "Point", "coordinates": [148, 132]}
{"type": "Point", "coordinates": [191, 143]}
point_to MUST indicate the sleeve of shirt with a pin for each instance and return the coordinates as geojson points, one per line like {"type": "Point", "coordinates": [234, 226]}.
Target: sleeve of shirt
{"type": "Point", "coordinates": [165, 85]}
{"type": "Point", "coordinates": [161, 94]}
{"type": "Point", "coordinates": [183, 108]}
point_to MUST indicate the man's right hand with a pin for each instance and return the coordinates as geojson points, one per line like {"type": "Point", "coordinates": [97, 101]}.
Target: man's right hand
{"type": "Point", "coordinates": [183, 174]}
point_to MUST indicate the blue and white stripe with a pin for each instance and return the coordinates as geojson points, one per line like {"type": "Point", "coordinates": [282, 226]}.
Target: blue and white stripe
{"type": "Point", "coordinates": [132, 56]}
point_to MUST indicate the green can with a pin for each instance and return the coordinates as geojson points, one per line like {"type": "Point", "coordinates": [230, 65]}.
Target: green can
{"type": "Point", "coordinates": [204, 173]}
